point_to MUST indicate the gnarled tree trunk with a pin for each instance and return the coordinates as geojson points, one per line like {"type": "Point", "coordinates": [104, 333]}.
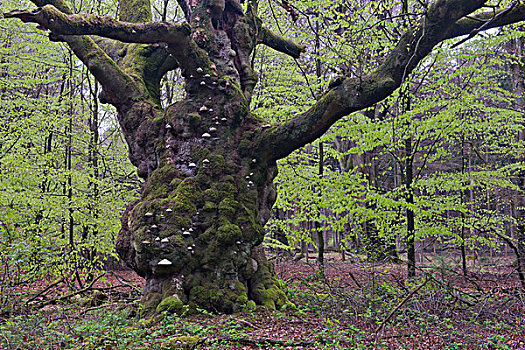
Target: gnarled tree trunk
{"type": "Point", "coordinates": [208, 162]}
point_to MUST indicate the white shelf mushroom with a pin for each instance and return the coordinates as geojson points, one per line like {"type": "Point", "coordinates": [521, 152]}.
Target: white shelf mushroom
{"type": "Point", "coordinates": [164, 262]}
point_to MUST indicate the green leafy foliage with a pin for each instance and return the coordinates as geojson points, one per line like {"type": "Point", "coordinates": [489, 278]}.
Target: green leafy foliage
{"type": "Point", "coordinates": [65, 177]}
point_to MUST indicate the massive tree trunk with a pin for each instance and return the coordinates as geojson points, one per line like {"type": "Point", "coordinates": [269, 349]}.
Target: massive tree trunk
{"type": "Point", "coordinates": [208, 163]}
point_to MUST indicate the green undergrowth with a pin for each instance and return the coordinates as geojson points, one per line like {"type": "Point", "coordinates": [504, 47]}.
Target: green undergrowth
{"type": "Point", "coordinates": [117, 329]}
{"type": "Point", "coordinates": [328, 314]}
{"type": "Point", "coordinates": [75, 327]}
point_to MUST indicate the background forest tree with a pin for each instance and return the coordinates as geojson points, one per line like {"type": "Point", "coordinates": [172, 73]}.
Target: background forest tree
{"type": "Point", "coordinates": [189, 150]}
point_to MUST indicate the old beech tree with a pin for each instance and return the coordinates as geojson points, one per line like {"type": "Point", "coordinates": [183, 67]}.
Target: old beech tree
{"type": "Point", "coordinates": [207, 161]}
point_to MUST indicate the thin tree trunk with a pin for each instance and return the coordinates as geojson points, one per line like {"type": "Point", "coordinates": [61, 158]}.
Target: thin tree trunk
{"type": "Point", "coordinates": [411, 246]}
{"type": "Point", "coordinates": [462, 194]}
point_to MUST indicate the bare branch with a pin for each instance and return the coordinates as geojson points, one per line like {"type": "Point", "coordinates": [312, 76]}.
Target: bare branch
{"type": "Point", "coordinates": [280, 44]}
{"type": "Point", "coordinates": [485, 25]}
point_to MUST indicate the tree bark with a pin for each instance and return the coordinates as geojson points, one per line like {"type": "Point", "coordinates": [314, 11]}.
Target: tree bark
{"type": "Point", "coordinates": [208, 163]}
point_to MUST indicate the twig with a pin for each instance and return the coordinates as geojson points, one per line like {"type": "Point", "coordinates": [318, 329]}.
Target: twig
{"type": "Point", "coordinates": [398, 306]}
{"type": "Point", "coordinates": [7, 342]}
{"type": "Point", "coordinates": [249, 324]}
{"type": "Point", "coordinates": [354, 279]}
{"type": "Point", "coordinates": [98, 307]}
{"type": "Point", "coordinates": [80, 291]}
{"type": "Point", "coordinates": [475, 31]}
{"type": "Point", "coordinates": [262, 341]}
{"type": "Point", "coordinates": [43, 291]}
{"type": "Point", "coordinates": [125, 282]}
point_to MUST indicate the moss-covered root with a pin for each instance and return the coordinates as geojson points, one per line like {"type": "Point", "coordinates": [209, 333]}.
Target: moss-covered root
{"type": "Point", "coordinates": [149, 303]}
{"type": "Point", "coordinates": [224, 296]}
{"type": "Point", "coordinates": [164, 295]}
{"type": "Point", "coordinates": [265, 289]}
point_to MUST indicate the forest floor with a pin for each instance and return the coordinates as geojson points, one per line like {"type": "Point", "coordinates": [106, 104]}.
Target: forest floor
{"type": "Point", "coordinates": [349, 305]}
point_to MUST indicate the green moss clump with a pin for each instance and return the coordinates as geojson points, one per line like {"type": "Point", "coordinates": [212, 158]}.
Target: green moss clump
{"type": "Point", "coordinates": [175, 182]}
{"type": "Point", "coordinates": [245, 147]}
{"type": "Point", "coordinates": [228, 234]}
{"type": "Point", "coordinates": [181, 343]}
{"type": "Point", "coordinates": [242, 299]}
{"type": "Point", "coordinates": [227, 208]}
{"type": "Point", "coordinates": [158, 184]}
{"type": "Point", "coordinates": [188, 188]}
{"type": "Point", "coordinates": [195, 119]}
{"type": "Point", "coordinates": [251, 306]}
{"type": "Point", "coordinates": [226, 189]}
{"type": "Point", "coordinates": [209, 206]}
{"type": "Point", "coordinates": [225, 180]}
{"type": "Point", "coordinates": [202, 296]}
{"type": "Point", "coordinates": [171, 305]}
{"type": "Point", "coordinates": [212, 194]}
{"type": "Point", "coordinates": [273, 298]}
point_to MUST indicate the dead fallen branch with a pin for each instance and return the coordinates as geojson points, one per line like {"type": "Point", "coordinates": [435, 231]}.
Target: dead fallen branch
{"type": "Point", "coordinates": [401, 303]}
{"type": "Point", "coordinates": [265, 341]}
{"type": "Point", "coordinates": [77, 292]}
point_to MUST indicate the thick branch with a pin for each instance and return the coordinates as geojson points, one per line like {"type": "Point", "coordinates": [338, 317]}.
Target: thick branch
{"type": "Point", "coordinates": [59, 4]}
{"type": "Point", "coordinates": [117, 85]}
{"type": "Point", "coordinates": [444, 20]}
{"type": "Point", "coordinates": [280, 44]}
{"type": "Point", "coordinates": [60, 23]}
{"type": "Point", "coordinates": [487, 20]}
{"type": "Point", "coordinates": [119, 88]}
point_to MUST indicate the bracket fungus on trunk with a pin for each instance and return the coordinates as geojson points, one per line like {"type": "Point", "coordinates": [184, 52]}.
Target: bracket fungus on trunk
{"type": "Point", "coordinates": [208, 162]}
